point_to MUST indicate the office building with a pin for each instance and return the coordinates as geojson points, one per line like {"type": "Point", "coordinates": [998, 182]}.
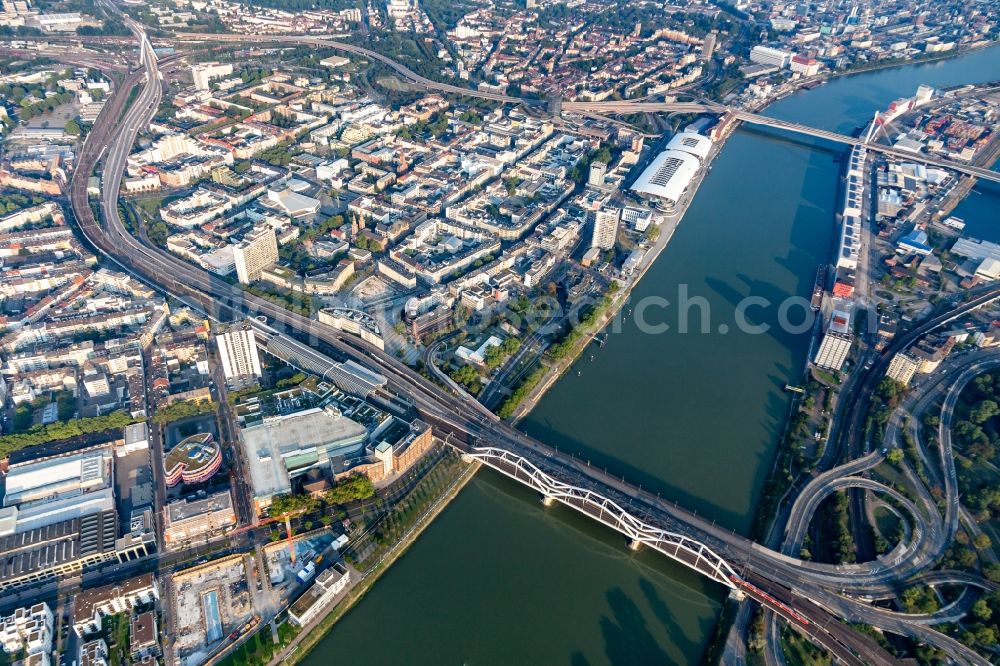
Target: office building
{"type": "Point", "coordinates": [197, 519]}
{"type": "Point", "coordinates": [203, 73]}
{"type": "Point", "coordinates": [598, 170]}
{"type": "Point", "coordinates": [902, 367]}
{"type": "Point", "coordinates": [194, 460]}
{"type": "Point", "coordinates": [257, 251]}
{"type": "Point", "coordinates": [765, 55]}
{"type": "Point", "coordinates": [355, 322]}
{"type": "Point", "coordinates": [605, 228]}
{"type": "Point", "coordinates": [238, 350]}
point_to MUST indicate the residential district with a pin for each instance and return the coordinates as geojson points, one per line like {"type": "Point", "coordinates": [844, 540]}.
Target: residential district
{"type": "Point", "coordinates": [328, 250]}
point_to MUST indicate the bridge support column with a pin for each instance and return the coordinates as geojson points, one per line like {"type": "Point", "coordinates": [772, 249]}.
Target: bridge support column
{"type": "Point", "coordinates": [634, 545]}
{"type": "Point", "coordinates": [466, 458]}
{"type": "Point", "coordinates": [548, 501]}
{"type": "Point", "coordinates": [737, 594]}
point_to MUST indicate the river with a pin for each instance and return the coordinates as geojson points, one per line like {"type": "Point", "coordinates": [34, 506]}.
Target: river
{"type": "Point", "coordinates": [497, 579]}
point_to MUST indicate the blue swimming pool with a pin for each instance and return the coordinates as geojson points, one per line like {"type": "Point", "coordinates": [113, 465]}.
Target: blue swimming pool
{"type": "Point", "coordinates": [213, 620]}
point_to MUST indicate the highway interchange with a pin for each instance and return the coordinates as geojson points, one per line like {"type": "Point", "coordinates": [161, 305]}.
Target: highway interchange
{"type": "Point", "coordinates": [819, 589]}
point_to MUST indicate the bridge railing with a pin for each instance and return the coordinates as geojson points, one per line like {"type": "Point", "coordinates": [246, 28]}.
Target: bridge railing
{"type": "Point", "coordinates": [687, 551]}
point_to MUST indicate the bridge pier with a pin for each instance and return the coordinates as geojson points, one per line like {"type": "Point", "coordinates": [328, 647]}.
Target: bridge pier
{"type": "Point", "coordinates": [466, 458]}
{"type": "Point", "coordinates": [737, 594]}
{"type": "Point", "coordinates": [634, 545]}
{"type": "Point", "coordinates": [548, 501]}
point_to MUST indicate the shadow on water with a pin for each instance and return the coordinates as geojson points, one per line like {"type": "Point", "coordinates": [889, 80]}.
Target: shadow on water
{"type": "Point", "coordinates": [662, 612]}
{"type": "Point", "coordinates": [602, 460]}
{"type": "Point", "coordinates": [627, 639]}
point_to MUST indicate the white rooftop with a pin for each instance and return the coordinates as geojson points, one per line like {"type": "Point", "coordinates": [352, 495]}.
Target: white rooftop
{"type": "Point", "coordinates": [268, 443]}
{"type": "Point", "coordinates": [67, 508]}
{"type": "Point", "coordinates": [691, 142]}
{"type": "Point", "coordinates": [668, 175]}
{"type": "Point", "coordinates": [55, 476]}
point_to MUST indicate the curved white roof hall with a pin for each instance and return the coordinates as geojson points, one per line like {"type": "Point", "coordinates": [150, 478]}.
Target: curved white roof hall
{"type": "Point", "coordinates": [691, 142]}
{"type": "Point", "coordinates": [668, 175]}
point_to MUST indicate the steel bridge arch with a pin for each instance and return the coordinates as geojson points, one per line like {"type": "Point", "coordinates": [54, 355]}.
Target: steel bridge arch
{"type": "Point", "coordinates": [683, 549]}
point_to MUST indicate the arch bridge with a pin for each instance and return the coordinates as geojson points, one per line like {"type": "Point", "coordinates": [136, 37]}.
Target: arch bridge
{"type": "Point", "coordinates": [683, 549]}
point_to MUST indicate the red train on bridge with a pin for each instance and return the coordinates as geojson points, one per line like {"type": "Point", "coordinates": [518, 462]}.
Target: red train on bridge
{"type": "Point", "coordinates": [761, 594]}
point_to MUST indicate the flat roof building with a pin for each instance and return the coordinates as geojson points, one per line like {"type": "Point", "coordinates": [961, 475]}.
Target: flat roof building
{"type": "Point", "coordinates": [257, 251]}
{"type": "Point", "coordinates": [355, 322]}
{"type": "Point", "coordinates": [136, 439]}
{"type": "Point", "coordinates": [605, 228]}
{"type": "Point", "coordinates": [144, 638]}
{"type": "Point", "coordinates": [94, 653]}
{"type": "Point", "coordinates": [91, 606]}
{"type": "Point", "coordinates": [43, 514]}
{"type": "Point", "coordinates": [28, 630]}
{"type": "Point", "coordinates": [328, 585]}
{"type": "Point", "coordinates": [197, 518]}
{"type": "Point", "coordinates": [58, 476]}
{"type": "Point", "coordinates": [284, 447]}
{"type": "Point", "coordinates": [65, 548]}
{"type": "Point", "coordinates": [238, 350]}
{"type": "Point", "coordinates": [975, 249]}
{"type": "Point", "coordinates": [902, 367]}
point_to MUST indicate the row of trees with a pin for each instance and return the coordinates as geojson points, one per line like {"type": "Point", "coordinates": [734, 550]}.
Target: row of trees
{"type": "Point", "coordinates": [510, 404]}
{"type": "Point", "coordinates": [12, 201]}
{"type": "Point", "coordinates": [53, 432]}
{"type": "Point", "coordinates": [184, 409]}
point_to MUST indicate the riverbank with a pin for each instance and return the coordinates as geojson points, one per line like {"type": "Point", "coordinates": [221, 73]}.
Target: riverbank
{"type": "Point", "coordinates": [818, 80]}
{"type": "Point", "coordinates": [309, 637]}
{"type": "Point", "coordinates": [619, 299]}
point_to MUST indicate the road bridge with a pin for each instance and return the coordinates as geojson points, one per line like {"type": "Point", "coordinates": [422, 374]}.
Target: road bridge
{"type": "Point", "coordinates": [799, 128]}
